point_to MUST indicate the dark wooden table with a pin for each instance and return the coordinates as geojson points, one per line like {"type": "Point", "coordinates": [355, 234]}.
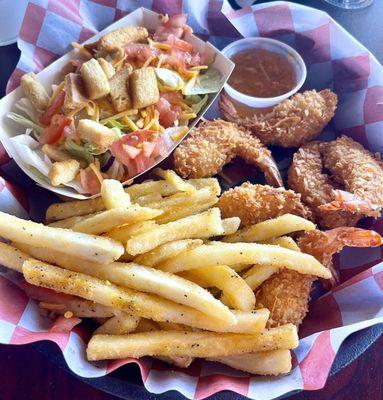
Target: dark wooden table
{"type": "Point", "coordinates": [26, 374]}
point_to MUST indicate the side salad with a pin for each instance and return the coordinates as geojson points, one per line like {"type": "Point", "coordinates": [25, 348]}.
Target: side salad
{"type": "Point", "coordinates": [120, 106]}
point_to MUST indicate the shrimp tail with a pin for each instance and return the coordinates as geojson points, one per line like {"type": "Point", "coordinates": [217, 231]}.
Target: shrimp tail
{"type": "Point", "coordinates": [345, 201]}
{"type": "Point", "coordinates": [355, 237]}
{"type": "Point", "coordinates": [227, 109]}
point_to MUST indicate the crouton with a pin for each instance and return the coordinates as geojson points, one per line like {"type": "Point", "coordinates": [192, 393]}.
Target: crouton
{"type": "Point", "coordinates": [122, 36]}
{"type": "Point", "coordinates": [143, 87]}
{"type": "Point", "coordinates": [119, 89]}
{"type": "Point", "coordinates": [107, 67]}
{"type": "Point", "coordinates": [35, 91]}
{"type": "Point", "coordinates": [62, 172]}
{"type": "Point", "coordinates": [75, 93]}
{"type": "Point", "coordinates": [95, 80]}
{"type": "Point", "coordinates": [94, 132]}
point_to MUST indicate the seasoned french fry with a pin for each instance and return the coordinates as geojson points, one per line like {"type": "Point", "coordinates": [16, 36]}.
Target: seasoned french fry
{"type": "Point", "coordinates": [107, 220]}
{"type": "Point", "coordinates": [148, 198]}
{"type": "Point", "coordinates": [194, 278]}
{"type": "Point", "coordinates": [202, 225]}
{"type": "Point", "coordinates": [118, 325]}
{"type": "Point", "coordinates": [68, 223]}
{"type": "Point", "coordinates": [113, 194]}
{"type": "Point", "coordinates": [88, 247]}
{"type": "Point", "coordinates": [230, 225]}
{"type": "Point", "coordinates": [131, 301]}
{"type": "Point", "coordinates": [279, 226]}
{"type": "Point", "coordinates": [59, 211]}
{"type": "Point", "coordinates": [124, 232]}
{"type": "Point", "coordinates": [284, 241]}
{"type": "Point", "coordinates": [273, 362]}
{"type": "Point", "coordinates": [186, 210]}
{"type": "Point", "coordinates": [258, 274]}
{"type": "Point", "coordinates": [170, 176]}
{"type": "Point", "coordinates": [193, 344]}
{"type": "Point", "coordinates": [166, 251]}
{"type": "Point", "coordinates": [146, 325]}
{"type": "Point", "coordinates": [11, 257]}
{"type": "Point", "coordinates": [218, 253]}
{"type": "Point", "coordinates": [237, 292]}
{"type": "Point", "coordinates": [82, 309]}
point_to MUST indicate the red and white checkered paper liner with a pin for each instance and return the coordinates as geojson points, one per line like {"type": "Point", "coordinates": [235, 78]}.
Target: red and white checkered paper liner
{"type": "Point", "coordinates": [334, 59]}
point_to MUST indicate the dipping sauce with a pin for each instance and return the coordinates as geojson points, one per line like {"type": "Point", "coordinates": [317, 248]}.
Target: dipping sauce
{"type": "Point", "coordinates": [262, 73]}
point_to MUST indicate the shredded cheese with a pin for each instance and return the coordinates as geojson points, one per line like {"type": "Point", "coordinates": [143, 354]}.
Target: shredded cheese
{"type": "Point", "coordinates": [160, 59]}
{"type": "Point", "coordinates": [199, 67]}
{"type": "Point", "coordinates": [189, 84]}
{"type": "Point", "coordinates": [140, 123]}
{"type": "Point", "coordinates": [170, 89]}
{"type": "Point", "coordinates": [122, 114]}
{"type": "Point", "coordinates": [72, 113]}
{"type": "Point", "coordinates": [158, 45]}
{"type": "Point", "coordinates": [180, 134]}
{"type": "Point", "coordinates": [59, 88]}
{"type": "Point", "coordinates": [127, 121]}
{"type": "Point", "coordinates": [82, 49]}
{"type": "Point", "coordinates": [187, 73]}
{"type": "Point", "coordinates": [148, 61]}
{"type": "Point", "coordinates": [188, 116]}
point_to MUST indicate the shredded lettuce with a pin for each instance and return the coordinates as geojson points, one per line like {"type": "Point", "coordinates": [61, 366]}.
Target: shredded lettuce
{"type": "Point", "coordinates": [27, 123]}
{"type": "Point", "coordinates": [169, 78]}
{"type": "Point", "coordinates": [39, 174]}
{"type": "Point", "coordinates": [77, 151]}
{"type": "Point", "coordinates": [117, 132]}
{"type": "Point", "coordinates": [112, 123]}
{"type": "Point", "coordinates": [209, 82]}
{"type": "Point", "coordinates": [26, 107]}
{"type": "Point", "coordinates": [198, 102]}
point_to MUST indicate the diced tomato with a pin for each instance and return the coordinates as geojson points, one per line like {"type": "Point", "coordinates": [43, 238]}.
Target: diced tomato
{"type": "Point", "coordinates": [174, 25]}
{"type": "Point", "coordinates": [131, 152]}
{"type": "Point", "coordinates": [54, 131]}
{"type": "Point", "coordinates": [53, 108]}
{"type": "Point", "coordinates": [160, 149]}
{"type": "Point", "coordinates": [169, 111]}
{"type": "Point", "coordinates": [148, 147]}
{"type": "Point", "coordinates": [89, 181]}
{"type": "Point", "coordinates": [42, 294]}
{"type": "Point", "coordinates": [179, 43]}
{"type": "Point", "coordinates": [64, 325]}
{"type": "Point", "coordinates": [140, 52]}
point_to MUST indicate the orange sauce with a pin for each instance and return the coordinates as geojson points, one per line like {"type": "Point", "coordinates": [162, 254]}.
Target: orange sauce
{"type": "Point", "coordinates": [262, 73]}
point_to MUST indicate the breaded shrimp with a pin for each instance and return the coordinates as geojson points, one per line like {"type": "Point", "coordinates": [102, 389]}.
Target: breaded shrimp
{"type": "Point", "coordinates": [215, 143]}
{"type": "Point", "coordinates": [292, 122]}
{"type": "Point", "coordinates": [287, 293]}
{"type": "Point", "coordinates": [257, 203]}
{"type": "Point", "coordinates": [306, 176]}
{"type": "Point", "coordinates": [359, 173]}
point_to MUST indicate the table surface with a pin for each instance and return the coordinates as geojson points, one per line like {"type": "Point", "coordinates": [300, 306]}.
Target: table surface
{"type": "Point", "coordinates": [27, 375]}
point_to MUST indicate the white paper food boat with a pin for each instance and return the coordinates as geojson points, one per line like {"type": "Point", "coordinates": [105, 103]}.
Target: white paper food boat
{"type": "Point", "coordinates": [50, 75]}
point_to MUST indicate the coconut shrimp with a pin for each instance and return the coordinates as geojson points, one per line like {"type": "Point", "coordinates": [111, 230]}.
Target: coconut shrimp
{"type": "Point", "coordinates": [306, 176]}
{"type": "Point", "coordinates": [257, 203]}
{"type": "Point", "coordinates": [292, 122]}
{"type": "Point", "coordinates": [215, 143]}
{"type": "Point", "coordinates": [287, 293]}
{"type": "Point", "coordinates": [359, 172]}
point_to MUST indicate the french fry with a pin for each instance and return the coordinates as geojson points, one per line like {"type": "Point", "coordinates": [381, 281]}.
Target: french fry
{"type": "Point", "coordinates": [284, 241]}
{"type": "Point", "coordinates": [202, 225]}
{"type": "Point", "coordinates": [107, 220]}
{"type": "Point", "coordinates": [279, 226]}
{"type": "Point", "coordinates": [148, 198]}
{"type": "Point", "coordinates": [124, 232]}
{"type": "Point", "coordinates": [88, 247]}
{"type": "Point", "coordinates": [237, 292]}
{"type": "Point", "coordinates": [124, 299]}
{"type": "Point", "coordinates": [59, 211]}
{"type": "Point", "coordinates": [218, 253]}
{"type": "Point", "coordinates": [146, 325]}
{"type": "Point", "coordinates": [150, 280]}
{"type": "Point", "coordinates": [190, 276]}
{"type": "Point", "coordinates": [166, 251]}
{"type": "Point", "coordinates": [273, 362]}
{"type": "Point", "coordinates": [82, 309]}
{"type": "Point", "coordinates": [113, 194]}
{"type": "Point", "coordinates": [193, 344]}
{"type": "Point", "coordinates": [230, 225]}
{"type": "Point", "coordinates": [11, 257]}
{"type": "Point", "coordinates": [258, 274]}
{"type": "Point", "coordinates": [68, 223]}
{"type": "Point", "coordinates": [185, 210]}
{"type": "Point", "coordinates": [118, 325]}
{"type": "Point", "coordinates": [170, 176]}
